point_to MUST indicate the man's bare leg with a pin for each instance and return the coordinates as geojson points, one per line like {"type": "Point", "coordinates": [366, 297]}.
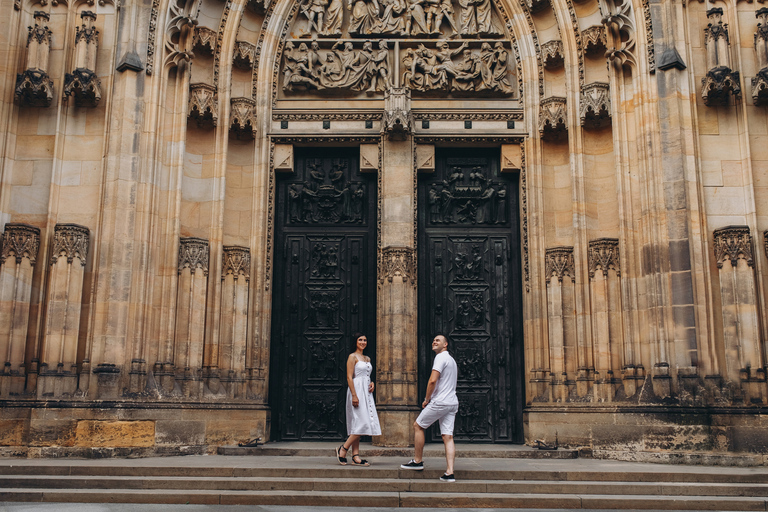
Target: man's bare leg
{"type": "Point", "coordinates": [450, 453]}
{"type": "Point", "coordinates": [418, 442]}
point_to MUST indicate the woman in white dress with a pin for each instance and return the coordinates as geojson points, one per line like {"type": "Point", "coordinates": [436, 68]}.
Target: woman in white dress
{"type": "Point", "coordinates": [362, 419]}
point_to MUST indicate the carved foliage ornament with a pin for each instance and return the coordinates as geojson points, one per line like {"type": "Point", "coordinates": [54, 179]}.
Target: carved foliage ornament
{"type": "Point", "coordinates": [84, 86]}
{"type": "Point", "coordinates": [719, 84]}
{"type": "Point", "coordinates": [733, 243]}
{"type": "Point", "coordinates": [205, 40]}
{"type": "Point", "coordinates": [70, 240]}
{"type": "Point", "coordinates": [552, 116]}
{"type": "Point", "coordinates": [595, 105]}
{"type": "Point", "coordinates": [33, 89]}
{"type": "Point", "coordinates": [760, 82]}
{"type": "Point", "coordinates": [593, 39]}
{"type": "Point", "coordinates": [398, 262]}
{"type": "Point", "coordinates": [202, 105]}
{"type": "Point", "coordinates": [397, 120]}
{"type": "Point", "coordinates": [552, 52]}
{"type": "Point", "coordinates": [720, 81]}
{"type": "Point", "coordinates": [244, 55]}
{"type": "Point", "coordinates": [604, 255]}
{"type": "Point", "coordinates": [559, 263]}
{"type": "Point", "coordinates": [40, 33]}
{"type": "Point", "coordinates": [87, 32]}
{"type": "Point", "coordinates": [620, 34]}
{"type": "Point", "coordinates": [237, 261]}
{"type": "Point", "coordinates": [243, 124]}
{"type": "Point", "coordinates": [20, 241]}
{"type": "Point", "coordinates": [193, 254]}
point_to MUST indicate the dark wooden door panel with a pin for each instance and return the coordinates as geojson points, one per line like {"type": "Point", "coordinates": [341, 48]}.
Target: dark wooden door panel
{"type": "Point", "coordinates": [469, 257]}
{"type": "Point", "coordinates": [325, 290]}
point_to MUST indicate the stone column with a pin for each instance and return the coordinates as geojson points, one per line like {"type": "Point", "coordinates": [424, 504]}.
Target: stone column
{"type": "Point", "coordinates": [235, 277]}
{"type": "Point", "coordinates": [58, 360]}
{"type": "Point", "coordinates": [738, 296]}
{"type": "Point", "coordinates": [562, 329]}
{"type": "Point", "coordinates": [397, 332]}
{"type": "Point", "coordinates": [190, 316]}
{"type": "Point", "coordinates": [606, 315]}
{"type": "Point", "coordinates": [20, 244]}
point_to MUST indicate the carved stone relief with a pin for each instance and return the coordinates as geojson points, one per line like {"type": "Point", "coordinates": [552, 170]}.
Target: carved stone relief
{"type": "Point", "coordinates": [70, 240]}
{"type": "Point", "coordinates": [243, 125]}
{"type": "Point", "coordinates": [340, 68]}
{"type": "Point", "coordinates": [593, 40]}
{"type": "Point", "coordinates": [552, 52]}
{"type": "Point", "coordinates": [244, 55]}
{"type": "Point", "coordinates": [733, 243]}
{"type": "Point", "coordinates": [397, 122]}
{"type": "Point", "coordinates": [202, 105]}
{"type": "Point", "coordinates": [205, 41]}
{"type": "Point", "coordinates": [34, 88]}
{"type": "Point", "coordinates": [20, 241]}
{"type": "Point", "coordinates": [193, 254]}
{"type": "Point", "coordinates": [553, 118]}
{"type": "Point", "coordinates": [237, 261]}
{"type": "Point", "coordinates": [604, 255]}
{"type": "Point", "coordinates": [435, 70]}
{"type": "Point", "coordinates": [595, 105]}
{"type": "Point", "coordinates": [558, 263]}
{"type": "Point", "coordinates": [397, 18]}
{"type": "Point", "coordinates": [397, 262]}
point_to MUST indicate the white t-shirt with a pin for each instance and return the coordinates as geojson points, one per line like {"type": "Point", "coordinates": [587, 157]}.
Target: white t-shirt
{"type": "Point", "coordinates": [445, 389]}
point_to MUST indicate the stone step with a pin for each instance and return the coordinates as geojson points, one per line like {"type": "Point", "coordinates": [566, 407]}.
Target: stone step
{"type": "Point", "coordinates": [31, 482]}
{"type": "Point", "coordinates": [475, 451]}
{"type": "Point", "coordinates": [383, 469]}
{"type": "Point", "coordinates": [385, 499]}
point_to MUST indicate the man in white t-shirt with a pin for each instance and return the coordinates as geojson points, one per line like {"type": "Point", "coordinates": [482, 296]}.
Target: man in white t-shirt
{"type": "Point", "coordinates": [440, 404]}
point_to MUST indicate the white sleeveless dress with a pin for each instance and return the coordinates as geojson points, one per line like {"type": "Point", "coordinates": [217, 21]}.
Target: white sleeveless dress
{"type": "Point", "coordinates": [363, 419]}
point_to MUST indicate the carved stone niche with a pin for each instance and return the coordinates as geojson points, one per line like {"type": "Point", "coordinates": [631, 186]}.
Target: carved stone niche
{"type": "Point", "coordinates": [595, 105]}
{"type": "Point", "coordinates": [204, 41]}
{"type": "Point", "coordinates": [243, 126]}
{"type": "Point", "coordinates": [34, 88]}
{"type": "Point", "coordinates": [202, 105]}
{"type": "Point", "coordinates": [594, 40]}
{"type": "Point", "coordinates": [259, 6]}
{"type": "Point", "coordinates": [397, 121]}
{"type": "Point", "coordinates": [720, 81]}
{"type": "Point", "coordinates": [553, 116]}
{"type": "Point", "coordinates": [244, 55]}
{"type": "Point", "coordinates": [83, 84]}
{"type": "Point", "coordinates": [760, 82]}
{"type": "Point", "coordinates": [552, 54]}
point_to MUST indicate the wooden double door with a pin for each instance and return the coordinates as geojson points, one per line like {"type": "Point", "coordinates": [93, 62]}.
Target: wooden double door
{"type": "Point", "coordinates": [470, 289]}
{"type": "Point", "coordinates": [324, 289]}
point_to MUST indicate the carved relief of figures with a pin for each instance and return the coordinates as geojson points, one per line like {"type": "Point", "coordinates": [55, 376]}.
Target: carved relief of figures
{"type": "Point", "coordinates": [427, 70]}
{"type": "Point", "coordinates": [482, 201]}
{"type": "Point", "coordinates": [320, 201]}
{"type": "Point", "coordinates": [326, 260]}
{"type": "Point", "coordinates": [400, 18]}
{"type": "Point", "coordinates": [477, 18]}
{"type": "Point", "coordinates": [341, 67]}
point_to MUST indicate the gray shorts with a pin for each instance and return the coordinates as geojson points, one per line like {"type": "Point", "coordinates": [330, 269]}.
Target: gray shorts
{"type": "Point", "coordinates": [445, 414]}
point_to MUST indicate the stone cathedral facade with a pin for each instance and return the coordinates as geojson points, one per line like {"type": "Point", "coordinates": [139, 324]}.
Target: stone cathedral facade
{"type": "Point", "coordinates": [202, 200]}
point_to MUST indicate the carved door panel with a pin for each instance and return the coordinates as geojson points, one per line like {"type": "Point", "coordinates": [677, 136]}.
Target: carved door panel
{"type": "Point", "coordinates": [469, 289]}
{"type": "Point", "coordinates": [324, 290]}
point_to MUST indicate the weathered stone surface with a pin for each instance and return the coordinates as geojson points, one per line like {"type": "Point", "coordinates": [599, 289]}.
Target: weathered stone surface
{"type": "Point", "coordinates": [179, 432]}
{"type": "Point", "coordinates": [115, 434]}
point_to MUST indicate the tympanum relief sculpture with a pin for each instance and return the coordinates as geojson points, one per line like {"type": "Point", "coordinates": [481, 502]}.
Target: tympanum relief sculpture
{"type": "Point", "coordinates": [405, 31]}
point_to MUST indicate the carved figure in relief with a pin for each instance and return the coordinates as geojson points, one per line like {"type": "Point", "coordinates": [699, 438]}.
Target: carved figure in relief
{"type": "Point", "coordinates": [477, 18]}
{"type": "Point", "coordinates": [314, 10]}
{"type": "Point", "coordinates": [333, 18]}
{"type": "Point", "coordinates": [443, 10]}
{"type": "Point", "coordinates": [471, 68]}
{"type": "Point", "coordinates": [434, 204]}
{"type": "Point", "coordinates": [358, 196]}
{"type": "Point", "coordinates": [498, 66]}
{"type": "Point", "coordinates": [299, 68]}
{"type": "Point", "coordinates": [380, 69]}
{"type": "Point", "coordinates": [393, 19]}
{"type": "Point", "coordinates": [294, 199]}
{"type": "Point", "coordinates": [445, 57]}
{"type": "Point", "coordinates": [480, 201]}
{"type": "Point", "coordinates": [364, 16]}
{"type": "Point", "coordinates": [416, 20]}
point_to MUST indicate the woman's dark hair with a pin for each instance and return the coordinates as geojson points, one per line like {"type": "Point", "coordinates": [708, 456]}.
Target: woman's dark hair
{"type": "Point", "coordinates": [354, 340]}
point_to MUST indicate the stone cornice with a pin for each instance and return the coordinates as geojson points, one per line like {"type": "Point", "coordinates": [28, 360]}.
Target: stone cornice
{"type": "Point", "coordinates": [733, 243]}
{"type": "Point", "coordinates": [70, 240]}
{"type": "Point", "coordinates": [558, 263]}
{"type": "Point", "coordinates": [20, 241]}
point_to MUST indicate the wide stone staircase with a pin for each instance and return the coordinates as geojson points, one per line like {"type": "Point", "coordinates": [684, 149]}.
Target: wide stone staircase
{"type": "Point", "coordinates": [301, 477]}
